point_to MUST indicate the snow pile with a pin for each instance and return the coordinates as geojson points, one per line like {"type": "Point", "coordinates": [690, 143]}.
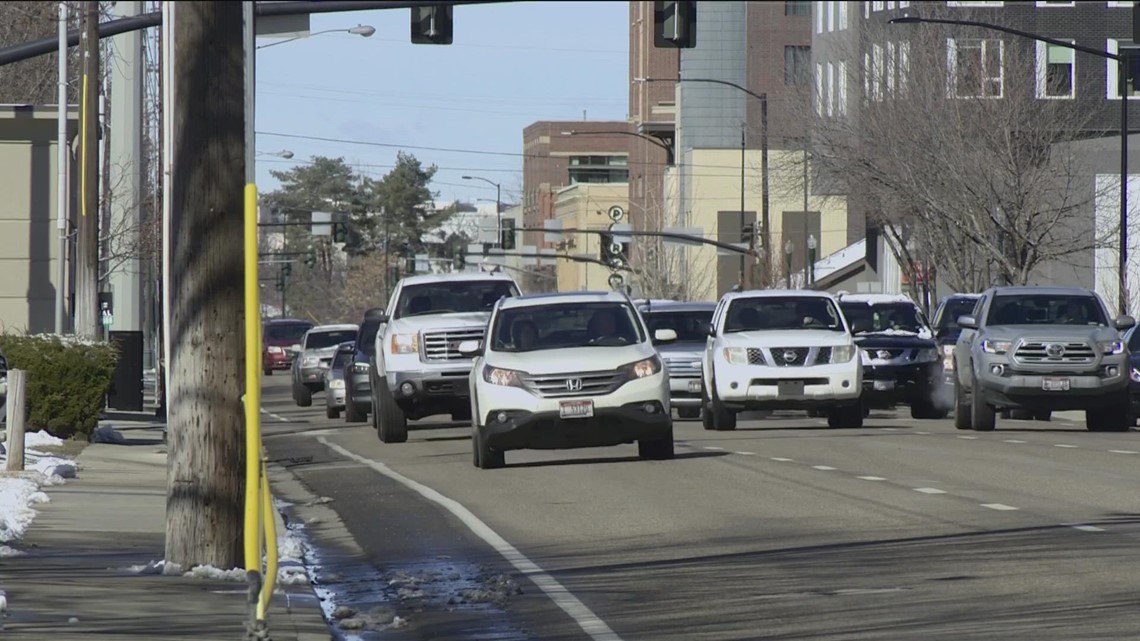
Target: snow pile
{"type": "Point", "coordinates": [19, 493]}
{"type": "Point", "coordinates": [41, 439]}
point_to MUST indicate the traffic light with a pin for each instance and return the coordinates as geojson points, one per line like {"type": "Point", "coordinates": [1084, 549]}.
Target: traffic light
{"type": "Point", "coordinates": [311, 259]}
{"type": "Point", "coordinates": [507, 234]}
{"type": "Point", "coordinates": [432, 25]}
{"type": "Point", "coordinates": [747, 232]}
{"type": "Point", "coordinates": [675, 24]}
{"type": "Point", "coordinates": [340, 232]}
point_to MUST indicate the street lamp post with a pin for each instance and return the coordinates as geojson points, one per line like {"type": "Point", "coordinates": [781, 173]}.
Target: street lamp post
{"type": "Point", "coordinates": [498, 207]}
{"type": "Point", "coordinates": [669, 151]}
{"type": "Point", "coordinates": [362, 30]}
{"type": "Point", "coordinates": [1122, 268]}
{"type": "Point", "coordinates": [284, 153]}
{"type": "Point", "coordinates": [788, 249]}
{"type": "Point", "coordinates": [811, 259]}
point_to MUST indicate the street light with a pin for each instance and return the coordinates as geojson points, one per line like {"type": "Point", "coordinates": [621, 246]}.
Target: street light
{"type": "Point", "coordinates": [498, 207]}
{"type": "Point", "coordinates": [811, 259]}
{"type": "Point", "coordinates": [1122, 273]}
{"type": "Point", "coordinates": [669, 155]}
{"type": "Point", "coordinates": [363, 30]}
{"type": "Point", "coordinates": [284, 153]}
{"type": "Point", "coordinates": [788, 249]}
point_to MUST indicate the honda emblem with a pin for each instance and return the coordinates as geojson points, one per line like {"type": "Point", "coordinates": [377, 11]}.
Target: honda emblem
{"type": "Point", "coordinates": [574, 384]}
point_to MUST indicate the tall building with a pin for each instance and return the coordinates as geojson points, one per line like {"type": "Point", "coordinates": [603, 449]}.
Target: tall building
{"type": "Point", "coordinates": [560, 154]}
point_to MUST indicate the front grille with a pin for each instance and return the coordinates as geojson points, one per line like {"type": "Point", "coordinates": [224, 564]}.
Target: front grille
{"type": "Point", "coordinates": [755, 356]}
{"type": "Point", "coordinates": [444, 345]}
{"type": "Point", "coordinates": [573, 384]}
{"type": "Point", "coordinates": [684, 367]}
{"type": "Point", "coordinates": [790, 356]}
{"type": "Point", "coordinates": [824, 356]}
{"type": "Point", "coordinates": [1046, 352]}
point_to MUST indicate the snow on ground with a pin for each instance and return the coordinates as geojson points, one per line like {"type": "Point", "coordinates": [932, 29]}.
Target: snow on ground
{"type": "Point", "coordinates": [19, 493]}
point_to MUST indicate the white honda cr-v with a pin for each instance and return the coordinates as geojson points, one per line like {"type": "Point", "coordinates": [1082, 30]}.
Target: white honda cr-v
{"type": "Point", "coordinates": [569, 370]}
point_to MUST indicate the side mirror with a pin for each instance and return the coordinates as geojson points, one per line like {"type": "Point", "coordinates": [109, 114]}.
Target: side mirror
{"type": "Point", "coordinates": [967, 322]}
{"type": "Point", "coordinates": [665, 335]}
{"type": "Point", "coordinates": [380, 317]}
{"type": "Point", "coordinates": [1124, 322]}
{"type": "Point", "coordinates": [711, 329]}
{"type": "Point", "coordinates": [296, 347]}
{"type": "Point", "coordinates": [470, 348]}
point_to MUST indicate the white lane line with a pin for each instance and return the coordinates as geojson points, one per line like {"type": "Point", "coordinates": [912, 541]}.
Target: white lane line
{"type": "Point", "coordinates": [1087, 528]}
{"type": "Point", "coordinates": [969, 438]}
{"type": "Point", "coordinates": [276, 417]}
{"type": "Point", "coordinates": [999, 506]}
{"type": "Point", "coordinates": [1064, 445]}
{"type": "Point", "coordinates": [714, 448]}
{"type": "Point", "coordinates": [890, 429]}
{"type": "Point", "coordinates": [923, 433]}
{"type": "Point", "coordinates": [782, 460]}
{"type": "Point", "coordinates": [871, 478]}
{"type": "Point", "coordinates": [825, 468]}
{"type": "Point", "coordinates": [1122, 451]}
{"type": "Point", "coordinates": [745, 453]}
{"type": "Point", "coordinates": [590, 623]}
{"type": "Point", "coordinates": [929, 490]}
{"type": "Point", "coordinates": [1013, 440]}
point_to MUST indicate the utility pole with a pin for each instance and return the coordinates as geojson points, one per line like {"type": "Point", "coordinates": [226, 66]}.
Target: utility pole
{"type": "Point", "coordinates": [62, 167]}
{"type": "Point", "coordinates": [765, 221]}
{"type": "Point", "coordinates": [745, 281]}
{"type": "Point", "coordinates": [87, 241]}
{"type": "Point", "coordinates": [204, 502]}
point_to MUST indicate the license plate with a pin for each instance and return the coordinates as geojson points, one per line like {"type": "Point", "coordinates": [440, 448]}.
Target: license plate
{"type": "Point", "coordinates": [883, 386]}
{"type": "Point", "coordinates": [576, 409]}
{"type": "Point", "coordinates": [1053, 384]}
{"type": "Point", "coordinates": [790, 388]}
{"type": "Point", "coordinates": [694, 386]}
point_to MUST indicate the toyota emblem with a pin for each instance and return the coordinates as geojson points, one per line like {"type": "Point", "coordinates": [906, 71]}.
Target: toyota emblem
{"type": "Point", "coordinates": [789, 356]}
{"type": "Point", "coordinates": [1055, 350]}
{"type": "Point", "coordinates": [574, 384]}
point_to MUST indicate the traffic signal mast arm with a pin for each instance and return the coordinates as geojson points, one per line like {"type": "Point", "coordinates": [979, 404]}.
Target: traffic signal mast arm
{"type": "Point", "coordinates": [576, 259]}
{"type": "Point", "coordinates": [653, 234]}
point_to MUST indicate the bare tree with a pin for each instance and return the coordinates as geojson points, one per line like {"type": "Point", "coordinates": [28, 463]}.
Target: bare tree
{"type": "Point", "coordinates": [666, 270]}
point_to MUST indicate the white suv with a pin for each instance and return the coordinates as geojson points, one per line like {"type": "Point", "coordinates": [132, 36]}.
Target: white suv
{"type": "Point", "coordinates": [780, 349]}
{"type": "Point", "coordinates": [560, 371]}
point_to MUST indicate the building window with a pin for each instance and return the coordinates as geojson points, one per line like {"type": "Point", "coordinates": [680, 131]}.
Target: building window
{"type": "Point", "coordinates": [974, 3]}
{"type": "Point", "coordinates": [818, 89]}
{"type": "Point", "coordinates": [866, 10]}
{"type": "Point", "coordinates": [599, 169]}
{"type": "Point", "coordinates": [866, 78]}
{"type": "Point", "coordinates": [876, 72]}
{"type": "Point", "coordinates": [1055, 71]}
{"type": "Point", "coordinates": [1119, 3]}
{"type": "Point", "coordinates": [830, 90]}
{"type": "Point", "coordinates": [797, 65]}
{"type": "Point", "coordinates": [891, 59]}
{"type": "Point", "coordinates": [819, 17]}
{"type": "Point", "coordinates": [841, 89]}
{"type": "Point", "coordinates": [890, 5]}
{"type": "Point", "coordinates": [842, 14]}
{"type": "Point", "coordinates": [975, 68]}
{"type": "Point", "coordinates": [877, 5]}
{"type": "Point", "coordinates": [830, 16]}
{"type": "Point", "coordinates": [1131, 81]}
{"type": "Point", "coordinates": [904, 65]}
{"type": "Point", "coordinates": [797, 8]}
{"type": "Point", "coordinates": [1055, 3]}
{"type": "Point", "coordinates": [903, 4]}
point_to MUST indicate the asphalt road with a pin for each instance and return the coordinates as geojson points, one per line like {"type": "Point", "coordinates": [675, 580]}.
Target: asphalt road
{"type": "Point", "coordinates": [783, 529]}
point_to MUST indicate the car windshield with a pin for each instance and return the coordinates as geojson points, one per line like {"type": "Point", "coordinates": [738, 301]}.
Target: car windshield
{"type": "Point", "coordinates": [286, 332]}
{"type": "Point", "coordinates": [453, 296]}
{"type": "Point", "coordinates": [329, 338]}
{"type": "Point", "coordinates": [782, 312]}
{"type": "Point", "coordinates": [340, 360]}
{"type": "Point", "coordinates": [691, 326]}
{"type": "Point", "coordinates": [883, 317]}
{"type": "Point", "coordinates": [542, 327]}
{"type": "Point", "coordinates": [954, 308]}
{"type": "Point", "coordinates": [1042, 309]}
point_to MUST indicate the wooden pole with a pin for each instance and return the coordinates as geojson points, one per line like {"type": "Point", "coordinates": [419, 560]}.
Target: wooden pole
{"type": "Point", "coordinates": [15, 410]}
{"type": "Point", "coordinates": [87, 241]}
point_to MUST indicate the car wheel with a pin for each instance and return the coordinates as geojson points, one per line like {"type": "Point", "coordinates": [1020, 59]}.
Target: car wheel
{"type": "Point", "coordinates": [393, 424]}
{"type": "Point", "coordinates": [268, 371]}
{"type": "Point", "coordinates": [927, 410]}
{"type": "Point", "coordinates": [689, 413]}
{"type": "Point", "coordinates": [332, 412]}
{"type": "Point", "coordinates": [1113, 418]}
{"type": "Point", "coordinates": [961, 407]}
{"type": "Point", "coordinates": [352, 413]}
{"type": "Point", "coordinates": [846, 416]}
{"type": "Point", "coordinates": [706, 414]}
{"type": "Point", "coordinates": [660, 449]}
{"type": "Point", "coordinates": [982, 416]}
{"type": "Point", "coordinates": [724, 419]}
{"type": "Point", "coordinates": [303, 395]}
{"type": "Point", "coordinates": [1043, 415]}
{"type": "Point", "coordinates": [485, 457]}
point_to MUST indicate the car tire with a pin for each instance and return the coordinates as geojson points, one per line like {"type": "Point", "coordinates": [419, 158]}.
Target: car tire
{"type": "Point", "coordinates": [983, 418]}
{"type": "Point", "coordinates": [332, 412]}
{"type": "Point", "coordinates": [927, 410]}
{"type": "Point", "coordinates": [485, 457]}
{"type": "Point", "coordinates": [1116, 417]}
{"type": "Point", "coordinates": [352, 413]}
{"type": "Point", "coordinates": [268, 371]}
{"type": "Point", "coordinates": [689, 413]}
{"type": "Point", "coordinates": [962, 416]}
{"type": "Point", "coordinates": [847, 416]}
{"type": "Point", "coordinates": [1043, 415]}
{"type": "Point", "coordinates": [302, 395]}
{"type": "Point", "coordinates": [390, 419]}
{"type": "Point", "coordinates": [724, 419]}
{"type": "Point", "coordinates": [706, 413]}
{"type": "Point", "coordinates": [658, 449]}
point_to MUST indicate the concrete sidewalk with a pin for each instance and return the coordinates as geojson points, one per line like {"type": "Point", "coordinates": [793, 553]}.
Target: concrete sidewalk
{"type": "Point", "coordinates": [74, 581]}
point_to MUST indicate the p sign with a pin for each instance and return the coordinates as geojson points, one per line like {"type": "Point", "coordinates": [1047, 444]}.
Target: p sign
{"type": "Point", "coordinates": [616, 213]}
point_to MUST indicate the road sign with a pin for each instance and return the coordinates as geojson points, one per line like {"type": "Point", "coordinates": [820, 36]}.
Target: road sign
{"type": "Point", "coordinates": [616, 281]}
{"type": "Point", "coordinates": [553, 233]}
{"type": "Point", "coordinates": [616, 213]}
{"type": "Point", "coordinates": [615, 249]}
{"type": "Point", "coordinates": [621, 233]}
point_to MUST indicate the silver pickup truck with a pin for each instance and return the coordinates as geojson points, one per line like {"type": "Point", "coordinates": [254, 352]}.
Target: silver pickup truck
{"type": "Point", "coordinates": [1038, 349]}
{"type": "Point", "coordinates": [417, 370]}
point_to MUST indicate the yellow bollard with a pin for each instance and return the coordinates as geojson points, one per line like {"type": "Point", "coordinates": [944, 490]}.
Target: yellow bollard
{"type": "Point", "coordinates": [253, 474]}
{"type": "Point", "coordinates": [270, 576]}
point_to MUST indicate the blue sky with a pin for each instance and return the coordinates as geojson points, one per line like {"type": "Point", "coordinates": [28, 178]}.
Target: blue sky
{"type": "Point", "coordinates": [510, 65]}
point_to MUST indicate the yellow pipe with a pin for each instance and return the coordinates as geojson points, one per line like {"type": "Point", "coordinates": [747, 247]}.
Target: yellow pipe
{"type": "Point", "coordinates": [270, 578]}
{"type": "Point", "coordinates": [253, 512]}
{"type": "Point", "coordinates": [83, 124]}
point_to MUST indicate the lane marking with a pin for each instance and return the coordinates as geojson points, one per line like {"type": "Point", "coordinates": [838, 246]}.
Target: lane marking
{"type": "Point", "coordinates": [871, 478]}
{"type": "Point", "coordinates": [590, 623]}
{"type": "Point", "coordinates": [1122, 451]}
{"type": "Point", "coordinates": [929, 490]}
{"type": "Point", "coordinates": [276, 417]}
{"type": "Point", "coordinates": [923, 433]}
{"type": "Point", "coordinates": [1065, 445]}
{"type": "Point", "coordinates": [1087, 528]}
{"type": "Point", "coordinates": [969, 438]}
{"type": "Point", "coordinates": [746, 453]}
{"type": "Point", "coordinates": [825, 468]}
{"type": "Point", "coordinates": [999, 506]}
{"type": "Point", "coordinates": [1013, 440]}
{"type": "Point", "coordinates": [782, 460]}
{"type": "Point", "coordinates": [890, 429]}
{"type": "Point", "coordinates": [714, 448]}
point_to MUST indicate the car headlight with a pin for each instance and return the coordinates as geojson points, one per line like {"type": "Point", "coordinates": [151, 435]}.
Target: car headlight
{"type": "Point", "coordinates": [310, 361]}
{"type": "Point", "coordinates": [405, 343]}
{"type": "Point", "coordinates": [275, 349]}
{"type": "Point", "coordinates": [643, 368]}
{"type": "Point", "coordinates": [1111, 348]}
{"type": "Point", "coordinates": [336, 383]}
{"type": "Point", "coordinates": [500, 376]}
{"type": "Point", "coordinates": [842, 353]}
{"type": "Point", "coordinates": [996, 347]}
{"type": "Point", "coordinates": [360, 368]}
{"type": "Point", "coordinates": [1135, 375]}
{"type": "Point", "coordinates": [927, 355]}
{"type": "Point", "coordinates": [948, 358]}
{"type": "Point", "coordinates": [736, 355]}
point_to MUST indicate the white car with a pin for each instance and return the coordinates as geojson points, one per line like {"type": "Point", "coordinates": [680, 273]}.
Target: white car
{"type": "Point", "coordinates": [568, 370]}
{"type": "Point", "coordinates": [781, 349]}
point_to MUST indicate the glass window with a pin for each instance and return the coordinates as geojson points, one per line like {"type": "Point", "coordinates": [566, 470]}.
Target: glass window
{"type": "Point", "coordinates": [450, 297]}
{"type": "Point", "coordinates": [561, 326]}
{"type": "Point", "coordinates": [340, 360]}
{"type": "Point", "coordinates": [884, 318]}
{"type": "Point", "coordinates": [323, 339]}
{"type": "Point", "coordinates": [1134, 341]}
{"type": "Point", "coordinates": [286, 331]}
{"type": "Point", "coordinates": [797, 65]}
{"type": "Point", "coordinates": [691, 326]}
{"type": "Point", "coordinates": [1046, 309]}
{"type": "Point", "coordinates": [782, 312]}
{"type": "Point", "coordinates": [955, 307]}
{"type": "Point", "coordinates": [1054, 71]}
{"type": "Point", "coordinates": [797, 8]}
{"type": "Point", "coordinates": [976, 68]}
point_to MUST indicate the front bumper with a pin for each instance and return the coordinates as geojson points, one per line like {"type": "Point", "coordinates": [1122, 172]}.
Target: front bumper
{"type": "Point", "coordinates": [885, 386]}
{"type": "Point", "coordinates": [546, 430]}
{"type": "Point", "coordinates": [766, 387]}
{"type": "Point", "coordinates": [313, 376]}
{"type": "Point", "coordinates": [1019, 389]}
{"type": "Point", "coordinates": [271, 360]}
{"type": "Point", "coordinates": [335, 398]}
{"type": "Point", "coordinates": [361, 389]}
{"type": "Point", "coordinates": [685, 392]}
{"type": "Point", "coordinates": [423, 393]}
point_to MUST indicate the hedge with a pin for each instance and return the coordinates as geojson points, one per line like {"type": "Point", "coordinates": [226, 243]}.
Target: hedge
{"type": "Point", "coordinates": [67, 380]}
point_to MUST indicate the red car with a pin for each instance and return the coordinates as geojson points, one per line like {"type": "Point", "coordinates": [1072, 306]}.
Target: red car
{"type": "Point", "coordinates": [278, 336]}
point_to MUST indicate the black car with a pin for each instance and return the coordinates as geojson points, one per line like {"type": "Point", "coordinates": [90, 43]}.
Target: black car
{"type": "Point", "coordinates": [901, 361]}
{"type": "Point", "coordinates": [1132, 337]}
{"type": "Point", "coordinates": [357, 389]}
{"type": "Point", "coordinates": [946, 331]}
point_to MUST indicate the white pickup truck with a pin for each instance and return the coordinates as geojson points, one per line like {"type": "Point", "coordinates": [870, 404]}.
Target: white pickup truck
{"type": "Point", "coordinates": [418, 370]}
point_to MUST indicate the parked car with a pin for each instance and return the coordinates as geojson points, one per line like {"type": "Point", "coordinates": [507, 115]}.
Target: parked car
{"type": "Point", "coordinates": [315, 354]}
{"type": "Point", "coordinates": [357, 390]}
{"type": "Point", "coordinates": [946, 331]}
{"type": "Point", "coordinates": [682, 357]}
{"type": "Point", "coordinates": [335, 377]}
{"type": "Point", "coordinates": [568, 370]}
{"type": "Point", "coordinates": [278, 336]}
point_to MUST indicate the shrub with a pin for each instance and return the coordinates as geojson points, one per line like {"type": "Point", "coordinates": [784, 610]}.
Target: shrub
{"type": "Point", "coordinates": [67, 380]}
